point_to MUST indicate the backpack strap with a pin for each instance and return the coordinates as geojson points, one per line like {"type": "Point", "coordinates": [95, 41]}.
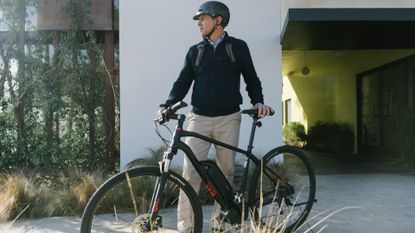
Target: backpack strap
{"type": "Point", "coordinates": [229, 51]}
{"type": "Point", "coordinates": [200, 52]}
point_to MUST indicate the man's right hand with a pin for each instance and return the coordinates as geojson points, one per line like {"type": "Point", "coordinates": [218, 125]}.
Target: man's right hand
{"type": "Point", "coordinates": [159, 113]}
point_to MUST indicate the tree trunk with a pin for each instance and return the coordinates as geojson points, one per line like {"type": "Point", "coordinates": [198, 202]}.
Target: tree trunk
{"type": "Point", "coordinates": [48, 111]}
{"type": "Point", "coordinates": [5, 53]}
{"type": "Point", "coordinates": [52, 119]}
{"type": "Point", "coordinates": [110, 100]}
{"type": "Point", "coordinates": [91, 105]}
{"type": "Point", "coordinates": [21, 77]}
{"type": "Point", "coordinates": [56, 53]}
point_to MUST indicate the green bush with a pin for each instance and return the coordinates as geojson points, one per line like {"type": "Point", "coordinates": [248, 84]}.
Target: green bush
{"type": "Point", "coordinates": [331, 137]}
{"type": "Point", "coordinates": [294, 134]}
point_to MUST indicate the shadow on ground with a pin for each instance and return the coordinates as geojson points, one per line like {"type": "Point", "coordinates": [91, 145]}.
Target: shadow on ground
{"type": "Point", "coordinates": [325, 163]}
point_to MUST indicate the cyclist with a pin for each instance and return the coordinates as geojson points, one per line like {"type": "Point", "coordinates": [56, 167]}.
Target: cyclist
{"type": "Point", "coordinates": [215, 96]}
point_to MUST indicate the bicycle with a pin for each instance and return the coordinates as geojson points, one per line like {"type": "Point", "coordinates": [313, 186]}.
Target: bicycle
{"type": "Point", "coordinates": [279, 196]}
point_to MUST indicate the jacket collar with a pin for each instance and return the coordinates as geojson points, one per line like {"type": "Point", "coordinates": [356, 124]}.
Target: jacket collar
{"type": "Point", "coordinates": [206, 41]}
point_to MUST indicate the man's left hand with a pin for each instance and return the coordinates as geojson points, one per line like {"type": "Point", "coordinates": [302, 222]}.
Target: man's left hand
{"type": "Point", "coordinates": [263, 110]}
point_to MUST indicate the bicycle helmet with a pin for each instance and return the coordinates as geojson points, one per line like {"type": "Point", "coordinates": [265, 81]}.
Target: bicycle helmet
{"type": "Point", "coordinates": [214, 9]}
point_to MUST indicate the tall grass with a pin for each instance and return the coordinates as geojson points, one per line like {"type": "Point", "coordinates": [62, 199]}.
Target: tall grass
{"type": "Point", "coordinates": [276, 219]}
{"type": "Point", "coordinates": [16, 194]}
{"type": "Point", "coordinates": [36, 195]}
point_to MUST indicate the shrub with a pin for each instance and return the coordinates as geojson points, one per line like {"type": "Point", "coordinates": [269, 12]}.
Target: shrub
{"type": "Point", "coordinates": [331, 137]}
{"type": "Point", "coordinates": [294, 134]}
{"type": "Point", "coordinates": [43, 194]}
{"type": "Point", "coordinates": [16, 194]}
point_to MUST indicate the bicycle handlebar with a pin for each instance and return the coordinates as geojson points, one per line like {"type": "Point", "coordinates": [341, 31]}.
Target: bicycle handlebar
{"type": "Point", "coordinates": [169, 112]}
{"type": "Point", "coordinates": [254, 113]}
{"type": "Point", "coordinates": [177, 106]}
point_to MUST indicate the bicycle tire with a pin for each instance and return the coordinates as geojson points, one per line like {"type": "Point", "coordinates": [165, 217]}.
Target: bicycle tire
{"type": "Point", "coordinates": [112, 208]}
{"type": "Point", "coordinates": [292, 174]}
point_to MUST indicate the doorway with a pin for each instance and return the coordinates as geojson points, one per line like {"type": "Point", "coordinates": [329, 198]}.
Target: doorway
{"type": "Point", "coordinates": [385, 107]}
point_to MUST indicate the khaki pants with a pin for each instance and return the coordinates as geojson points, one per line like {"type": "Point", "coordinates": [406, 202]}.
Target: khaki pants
{"type": "Point", "coordinates": [221, 128]}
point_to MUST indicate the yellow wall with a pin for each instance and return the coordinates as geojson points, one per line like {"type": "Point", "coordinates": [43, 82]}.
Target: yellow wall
{"type": "Point", "coordinates": [328, 92]}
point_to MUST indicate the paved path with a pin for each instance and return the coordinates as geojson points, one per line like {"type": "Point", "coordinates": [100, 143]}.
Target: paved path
{"type": "Point", "coordinates": [378, 203]}
{"type": "Point", "coordinates": [46, 225]}
{"type": "Point", "coordinates": [380, 198]}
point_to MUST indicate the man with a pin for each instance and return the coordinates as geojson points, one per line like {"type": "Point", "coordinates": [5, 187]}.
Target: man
{"type": "Point", "coordinates": [215, 96]}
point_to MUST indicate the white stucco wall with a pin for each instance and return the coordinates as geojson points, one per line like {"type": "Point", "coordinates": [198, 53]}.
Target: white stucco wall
{"type": "Point", "coordinates": [154, 38]}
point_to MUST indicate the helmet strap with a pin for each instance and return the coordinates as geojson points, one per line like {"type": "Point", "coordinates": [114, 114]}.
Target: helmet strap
{"type": "Point", "coordinates": [212, 31]}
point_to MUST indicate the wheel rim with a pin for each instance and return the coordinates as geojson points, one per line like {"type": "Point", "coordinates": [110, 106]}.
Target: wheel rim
{"type": "Point", "coordinates": [125, 206]}
{"type": "Point", "coordinates": [294, 182]}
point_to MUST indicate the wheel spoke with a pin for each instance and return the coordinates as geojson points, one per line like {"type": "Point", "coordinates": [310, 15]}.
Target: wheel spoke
{"type": "Point", "coordinates": [288, 189]}
{"type": "Point", "coordinates": [122, 204]}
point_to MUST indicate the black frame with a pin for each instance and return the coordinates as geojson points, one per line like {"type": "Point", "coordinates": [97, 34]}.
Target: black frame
{"type": "Point", "coordinates": [176, 144]}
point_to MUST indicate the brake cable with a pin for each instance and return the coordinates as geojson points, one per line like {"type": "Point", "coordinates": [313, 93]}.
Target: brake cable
{"type": "Point", "coordinates": [157, 130]}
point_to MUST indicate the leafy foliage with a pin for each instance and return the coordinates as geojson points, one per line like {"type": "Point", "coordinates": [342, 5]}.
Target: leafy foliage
{"type": "Point", "coordinates": [294, 134]}
{"type": "Point", "coordinates": [62, 93]}
{"type": "Point", "coordinates": [331, 137]}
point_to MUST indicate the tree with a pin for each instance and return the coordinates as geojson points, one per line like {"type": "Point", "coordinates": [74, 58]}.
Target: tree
{"type": "Point", "coordinates": [58, 108]}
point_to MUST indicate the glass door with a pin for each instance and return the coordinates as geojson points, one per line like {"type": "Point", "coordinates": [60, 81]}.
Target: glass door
{"type": "Point", "coordinates": [394, 106]}
{"type": "Point", "coordinates": [385, 107]}
{"type": "Point", "coordinates": [370, 110]}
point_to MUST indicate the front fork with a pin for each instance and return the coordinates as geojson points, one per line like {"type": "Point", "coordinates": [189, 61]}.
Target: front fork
{"type": "Point", "coordinates": [159, 187]}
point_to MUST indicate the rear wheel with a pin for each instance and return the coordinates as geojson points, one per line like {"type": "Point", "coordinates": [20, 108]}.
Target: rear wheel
{"type": "Point", "coordinates": [283, 192]}
{"type": "Point", "coordinates": [123, 203]}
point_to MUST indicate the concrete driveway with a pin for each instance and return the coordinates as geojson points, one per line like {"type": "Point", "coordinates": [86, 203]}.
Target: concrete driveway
{"type": "Point", "coordinates": [376, 197]}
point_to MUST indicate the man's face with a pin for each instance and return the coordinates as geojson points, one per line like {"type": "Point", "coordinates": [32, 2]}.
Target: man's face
{"type": "Point", "coordinates": [206, 24]}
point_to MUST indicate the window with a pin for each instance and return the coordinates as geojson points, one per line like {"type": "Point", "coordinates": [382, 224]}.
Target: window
{"type": "Point", "coordinates": [287, 111]}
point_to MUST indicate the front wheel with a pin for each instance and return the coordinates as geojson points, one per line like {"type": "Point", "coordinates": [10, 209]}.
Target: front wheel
{"type": "Point", "coordinates": [282, 190]}
{"type": "Point", "coordinates": [123, 204]}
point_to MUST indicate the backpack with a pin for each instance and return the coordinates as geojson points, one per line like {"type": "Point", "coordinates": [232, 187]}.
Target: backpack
{"type": "Point", "coordinates": [201, 51]}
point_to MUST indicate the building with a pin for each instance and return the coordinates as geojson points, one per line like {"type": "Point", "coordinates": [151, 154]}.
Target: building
{"type": "Point", "coordinates": [359, 55]}
{"type": "Point", "coordinates": [344, 44]}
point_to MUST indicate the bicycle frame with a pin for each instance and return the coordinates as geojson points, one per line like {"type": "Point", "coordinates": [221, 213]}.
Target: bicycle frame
{"type": "Point", "coordinates": [176, 144]}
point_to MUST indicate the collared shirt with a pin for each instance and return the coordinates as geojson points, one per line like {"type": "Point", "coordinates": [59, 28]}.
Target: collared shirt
{"type": "Point", "coordinates": [215, 44]}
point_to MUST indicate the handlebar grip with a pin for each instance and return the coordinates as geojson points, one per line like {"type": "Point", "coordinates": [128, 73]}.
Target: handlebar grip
{"type": "Point", "coordinates": [254, 112]}
{"type": "Point", "coordinates": [167, 114]}
{"type": "Point", "coordinates": [177, 106]}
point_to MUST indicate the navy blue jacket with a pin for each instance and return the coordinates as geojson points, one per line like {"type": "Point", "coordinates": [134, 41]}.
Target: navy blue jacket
{"type": "Point", "coordinates": [216, 88]}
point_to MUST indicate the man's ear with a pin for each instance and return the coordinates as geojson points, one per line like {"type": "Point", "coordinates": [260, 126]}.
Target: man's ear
{"type": "Point", "coordinates": [219, 20]}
